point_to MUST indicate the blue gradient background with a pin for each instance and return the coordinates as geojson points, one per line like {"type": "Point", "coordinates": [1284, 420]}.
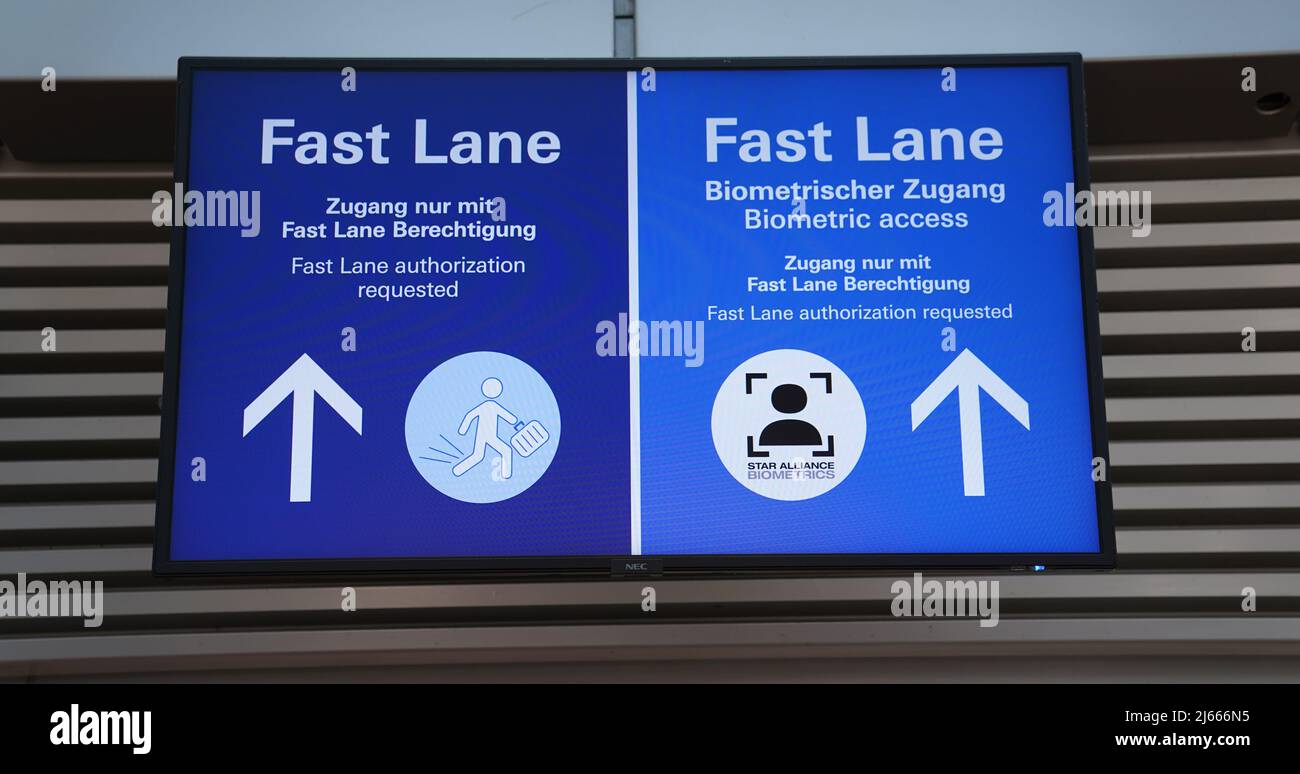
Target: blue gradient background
{"type": "Point", "coordinates": [905, 495]}
{"type": "Point", "coordinates": [246, 319]}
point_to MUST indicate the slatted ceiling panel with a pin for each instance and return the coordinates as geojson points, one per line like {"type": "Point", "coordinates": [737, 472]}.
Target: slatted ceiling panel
{"type": "Point", "coordinates": [1270, 321]}
{"type": "Point", "coordinates": [76, 516]}
{"type": "Point", "coordinates": [72, 472]}
{"type": "Point", "coordinates": [32, 212]}
{"type": "Point", "coordinates": [1285, 277]}
{"type": "Point", "coordinates": [22, 179]}
{"type": "Point", "coordinates": [1203, 287]}
{"type": "Point", "coordinates": [1205, 457]}
{"type": "Point", "coordinates": [1121, 412]}
{"type": "Point", "coordinates": [74, 264]}
{"type": "Point", "coordinates": [71, 257]}
{"type": "Point", "coordinates": [79, 342]}
{"type": "Point", "coordinates": [1181, 453]}
{"type": "Point", "coordinates": [1219, 243]}
{"type": "Point", "coordinates": [41, 300]}
{"type": "Point", "coordinates": [77, 429]}
{"type": "Point", "coordinates": [96, 562]}
{"type": "Point", "coordinates": [133, 602]}
{"type": "Point", "coordinates": [76, 211]}
{"type": "Point", "coordinates": [1216, 160]}
{"type": "Point", "coordinates": [547, 643]}
{"type": "Point", "coordinates": [1241, 374]}
{"type": "Point", "coordinates": [1194, 201]}
{"type": "Point", "coordinates": [161, 609]}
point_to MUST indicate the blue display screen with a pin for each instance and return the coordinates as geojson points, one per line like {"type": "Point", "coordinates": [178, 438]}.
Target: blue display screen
{"type": "Point", "coordinates": [498, 313]}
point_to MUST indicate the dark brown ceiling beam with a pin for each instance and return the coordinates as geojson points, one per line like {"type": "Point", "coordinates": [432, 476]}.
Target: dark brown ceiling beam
{"type": "Point", "coordinates": [1130, 101]}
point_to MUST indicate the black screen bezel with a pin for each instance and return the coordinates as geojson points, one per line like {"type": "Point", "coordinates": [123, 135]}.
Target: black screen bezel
{"type": "Point", "coordinates": [600, 566]}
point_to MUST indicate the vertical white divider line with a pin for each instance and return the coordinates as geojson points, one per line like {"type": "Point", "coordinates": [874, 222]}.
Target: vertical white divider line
{"type": "Point", "coordinates": [633, 311]}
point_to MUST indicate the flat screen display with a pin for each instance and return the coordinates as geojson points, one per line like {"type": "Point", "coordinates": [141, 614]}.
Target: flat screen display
{"type": "Point", "coordinates": [744, 314]}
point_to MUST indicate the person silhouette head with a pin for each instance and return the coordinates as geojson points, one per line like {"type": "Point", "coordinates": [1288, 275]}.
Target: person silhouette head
{"type": "Point", "coordinates": [789, 398]}
{"type": "Point", "coordinates": [492, 387]}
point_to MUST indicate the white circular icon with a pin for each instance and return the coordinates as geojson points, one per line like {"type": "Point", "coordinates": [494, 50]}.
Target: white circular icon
{"type": "Point", "coordinates": [482, 427]}
{"type": "Point", "coordinates": [788, 424]}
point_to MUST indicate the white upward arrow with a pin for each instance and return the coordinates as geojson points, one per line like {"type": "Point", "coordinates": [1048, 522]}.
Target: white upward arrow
{"type": "Point", "coordinates": [967, 374]}
{"type": "Point", "coordinates": [304, 380]}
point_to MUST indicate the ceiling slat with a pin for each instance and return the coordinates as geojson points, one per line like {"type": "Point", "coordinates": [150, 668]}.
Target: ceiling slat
{"type": "Point", "coordinates": [1205, 452]}
{"type": "Point", "coordinates": [76, 211]}
{"type": "Point", "coordinates": [1200, 365]}
{"type": "Point", "coordinates": [76, 256]}
{"type": "Point", "coordinates": [1096, 636]}
{"type": "Point", "coordinates": [45, 472]}
{"type": "Point", "coordinates": [82, 341]}
{"type": "Point", "coordinates": [76, 516]}
{"type": "Point", "coordinates": [1201, 409]}
{"type": "Point", "coordinates": [43, 429]}
{"type": "Point", "coordinates": [1199, 278]}
{"type": "Point", "coordinates": [1206, 496]}
{"type": "Point", "coordinates": [1201, 321]}
{"type": "Point", "coordinates": [57, 299]}
{"type": "Point", "coordinates": [80, 385]}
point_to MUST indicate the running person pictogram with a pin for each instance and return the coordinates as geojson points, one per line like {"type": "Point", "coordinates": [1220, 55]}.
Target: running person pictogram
{"type": "Point", "coordinates": [486, 415]}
